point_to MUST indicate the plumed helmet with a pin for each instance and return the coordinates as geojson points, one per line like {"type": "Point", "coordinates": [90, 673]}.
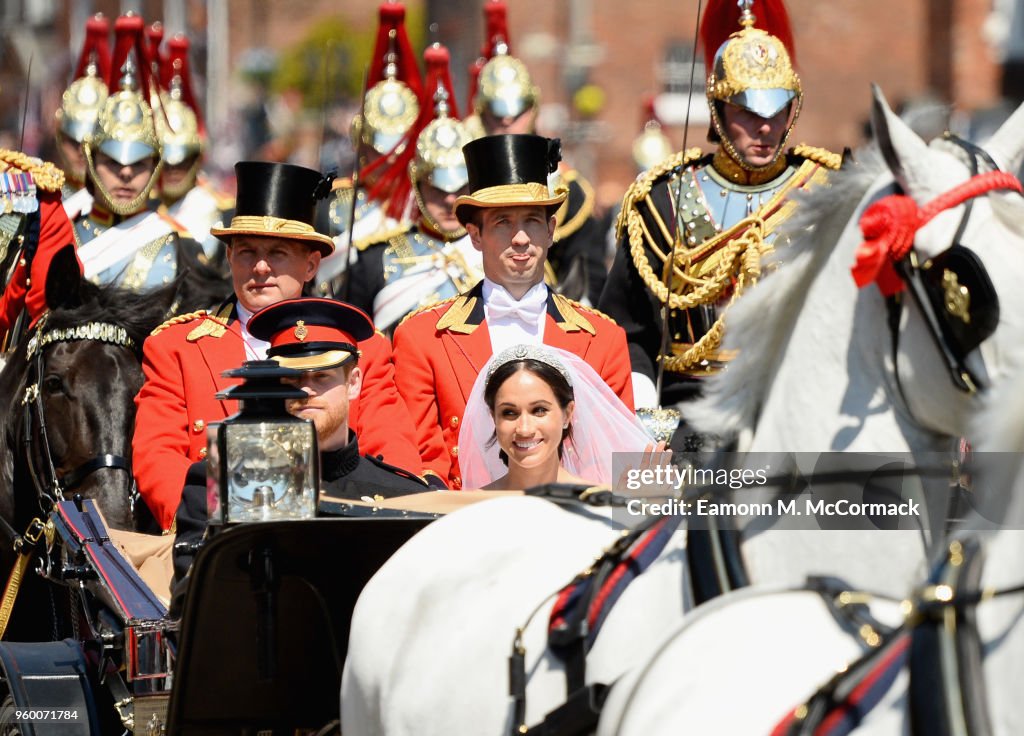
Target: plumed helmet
{"type": "Point", "coordinates": [125, 130]}
{"type": "Point", "coordinates": [391, 105]}
{"type": "Point", "coordinates": [751, 68]}
{"type": "Point", "coordinates": [85, 96]}
{"type": "Point", "coordinates": [504, 86]}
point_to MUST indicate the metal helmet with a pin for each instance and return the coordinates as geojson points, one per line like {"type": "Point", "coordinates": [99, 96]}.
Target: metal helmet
{"type": "Point", "coordinates": [391, 102]}
{"type": "Point", "coordinates": [84, 98]}
{"type": "Point", "coordinates": [504, 87]}
{"type": "Point", "coordinates": [651, 147]}
{"type": "Point", "coordinates": [438, 158]}
{"type": "Point", "coordinates": [126, 133]}
{"type": "Point", "coordinates": [753, 70]}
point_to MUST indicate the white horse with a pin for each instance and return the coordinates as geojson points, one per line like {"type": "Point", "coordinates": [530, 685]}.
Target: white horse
{"type": "Point", "coordinates": [783, 662]}
{"type": "Point", "coordinates": [748, 661]}
{"type": "Point", "coordinates": [432, 632]}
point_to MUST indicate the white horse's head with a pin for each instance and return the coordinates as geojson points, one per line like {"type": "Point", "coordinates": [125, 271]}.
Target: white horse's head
{"type": "Point", "coordinates": [816, 368]}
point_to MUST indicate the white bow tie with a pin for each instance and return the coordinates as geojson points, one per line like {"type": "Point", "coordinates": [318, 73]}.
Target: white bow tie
{"type": "Point", "coordinates": [528, 309]}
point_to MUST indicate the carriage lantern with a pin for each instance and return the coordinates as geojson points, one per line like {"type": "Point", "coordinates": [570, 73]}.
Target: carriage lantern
{"type": "Point", "coordinates": [262, 463]}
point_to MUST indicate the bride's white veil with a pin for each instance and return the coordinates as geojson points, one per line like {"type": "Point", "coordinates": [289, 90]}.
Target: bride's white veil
{"type": "Point", "coordinates": [601, 423]}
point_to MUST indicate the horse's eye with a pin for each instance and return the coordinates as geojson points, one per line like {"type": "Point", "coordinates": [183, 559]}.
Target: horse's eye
{"type": "Point", "coordinates": [53, 384]}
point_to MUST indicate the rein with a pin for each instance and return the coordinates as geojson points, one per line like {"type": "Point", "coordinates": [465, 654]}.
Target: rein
{"type": "Point", "coordinates": [939, 641]}
{"type": "Point", "coordinates": [50, 487]}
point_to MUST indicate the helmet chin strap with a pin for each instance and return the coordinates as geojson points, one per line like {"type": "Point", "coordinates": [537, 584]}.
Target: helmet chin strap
{"type": "Point", "coordinates": [431, 222]}
{"type": "Point", "coordinates": [100, 192]}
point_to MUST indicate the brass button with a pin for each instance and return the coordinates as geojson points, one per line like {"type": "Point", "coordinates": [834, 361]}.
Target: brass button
{"type": "Point", "coordinates": [197, 425]}
{"type": "Point", "coordinates": [455, 451]}
{"type": "Point", "coordinates": [455, 421]}
{"type": "Point", "coordinates": [28, 282]}
{"type": "Point", "coordinates": [457, 484]}
{"type": "Point", "coordinates": [22, 262]}
{"type": "Point", "coordinates": [202, 453]}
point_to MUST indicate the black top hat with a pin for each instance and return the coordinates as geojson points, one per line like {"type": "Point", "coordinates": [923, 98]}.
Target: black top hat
{"type": "Point", "coordinates": [311, 334]}
{"type": "Point", "coordinates": [509, 171]}
{"type": "Point", "coordinates": [278, 200]}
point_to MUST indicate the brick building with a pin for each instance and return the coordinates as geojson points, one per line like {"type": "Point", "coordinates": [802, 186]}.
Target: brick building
{"type": "Point", "coordinates": [967, 52]}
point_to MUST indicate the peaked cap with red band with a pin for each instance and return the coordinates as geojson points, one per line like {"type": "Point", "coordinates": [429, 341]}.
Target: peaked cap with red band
{"type": "Point", "coordinates": [311, 334]}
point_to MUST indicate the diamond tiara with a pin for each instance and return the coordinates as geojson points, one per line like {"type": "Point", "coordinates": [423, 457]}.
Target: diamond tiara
{"type": "Point", "coordinates": [529, 352]}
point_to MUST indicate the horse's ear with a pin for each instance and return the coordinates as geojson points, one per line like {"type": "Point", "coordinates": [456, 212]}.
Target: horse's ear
{"type": "Point", "coordinates": [1007, 145]}
{"type": "Point", "coordinates": [64, 280]}
{"type": "Point", "coordinates": [899, 144]}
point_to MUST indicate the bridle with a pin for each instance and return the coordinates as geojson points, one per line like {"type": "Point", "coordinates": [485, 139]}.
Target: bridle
{"type": "Point", "coordinates": [49, 486]}
{"type": "Point", "coordinates": [952, 290]}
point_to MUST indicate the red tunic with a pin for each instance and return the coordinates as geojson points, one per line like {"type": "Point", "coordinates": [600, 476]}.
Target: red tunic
{"type": "Point", "coordinates": [27, 289]}
{"type": "Point", "coordinates": [183, 370]}
{"type": "Point", "coordinates": [436, 368]}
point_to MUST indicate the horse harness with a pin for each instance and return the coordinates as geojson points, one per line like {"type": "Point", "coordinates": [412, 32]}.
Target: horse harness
{"type": "Point", "coordinates": [953, 290]}
{"type": "Point", "coordinates": [48, 485]}
{"type": "Point", "coordinates": [940, 644]}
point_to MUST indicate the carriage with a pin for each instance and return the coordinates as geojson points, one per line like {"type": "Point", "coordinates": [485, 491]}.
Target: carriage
{"type": "Point", "coordinates": [258, 647]}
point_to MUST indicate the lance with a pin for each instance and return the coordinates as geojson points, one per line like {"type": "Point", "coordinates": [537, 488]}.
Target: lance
{"type": "Point", "coordinates": [356, 170]}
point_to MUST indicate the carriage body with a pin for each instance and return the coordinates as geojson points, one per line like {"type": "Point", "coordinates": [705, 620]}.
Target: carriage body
{"type": "Point", "coordinates": [272, 599]}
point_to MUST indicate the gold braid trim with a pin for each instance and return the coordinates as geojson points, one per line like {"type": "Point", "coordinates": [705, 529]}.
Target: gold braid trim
{"type": "Point", "coordinates": [47, 176]}
{"type": "Point", "coordinates": [380, 236]}
{"type": "Point", "coordinates": [565, 229]}
{"type": "Point", "coordinates": [641, 186]}
{"type": "Point", "coordinates": [177, 320]}
{"type": "Point", "coordinates": [822, 156]}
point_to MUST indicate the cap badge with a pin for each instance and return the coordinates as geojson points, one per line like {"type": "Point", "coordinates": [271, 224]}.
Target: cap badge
{"type": "Point", "coordinates": [300, 330]}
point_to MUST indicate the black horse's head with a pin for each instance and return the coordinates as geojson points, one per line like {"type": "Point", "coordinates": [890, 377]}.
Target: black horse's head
{"type": "Point", "coordinates": [70, 387]}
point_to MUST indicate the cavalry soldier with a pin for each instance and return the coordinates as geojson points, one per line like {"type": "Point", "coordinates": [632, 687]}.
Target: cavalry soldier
{"type": "Point", "coordinates": [507, 101]}
{"type": "Point", "coordinates": [126, 239]}
{"type": "Point", "coordinates": [188, 196]}
{"type": "Point", "coordinates": [729, 205]}
{"type": "Point", "coordinates": [272, 251]}
{"type": "Point", "coordinates": [33, 228]}
{"type": "Point", "coordinates": [380, 135]}
{"type": "Point", "coordinates": [510, 216]}
{"type": "Point", "coordinates": [79, 111]}
{"type": "Point", "coordinates": [434, 259]}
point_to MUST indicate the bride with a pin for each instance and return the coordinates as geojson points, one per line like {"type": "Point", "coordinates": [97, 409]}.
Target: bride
{"type": "Point", "coordinates": [539, 415]}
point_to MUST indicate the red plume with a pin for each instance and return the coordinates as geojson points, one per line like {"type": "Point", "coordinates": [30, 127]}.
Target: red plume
{"type": "Point", "coordinates": [496, 24]}
{"type": "Point", "coordinates": [496, 21]}
{"type": "Point", "coordinates": [155, 37]}
{"type": "Point", "coordinates": [128, 35]}
{"type": "Point", "coordinates": [97, 39]}
{"type": "Point", "coordinates": [178, 63]}
{"type": "Point", "coordinates": [392, 17]}
{"type": "Point", "coordinates": [393, 185]}
{"type": "Point", "coordinates": [722, 19]}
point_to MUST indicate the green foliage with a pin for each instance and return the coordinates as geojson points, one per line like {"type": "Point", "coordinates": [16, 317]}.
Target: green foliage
{"type": "Point", "coordinates": [328, 65]}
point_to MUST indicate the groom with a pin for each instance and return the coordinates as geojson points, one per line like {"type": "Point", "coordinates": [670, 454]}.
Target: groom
{"type": "Point", "coordinates": [510, 217]}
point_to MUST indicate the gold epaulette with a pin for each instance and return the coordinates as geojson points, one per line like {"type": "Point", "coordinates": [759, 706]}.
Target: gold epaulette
{"type": "Point", "coordinates": [641, 186]}
{"type": "Point", "coordinates": [823, 156]}
{"type": "Point", "coordinates": [572, 319]}
{"type": "Point", "coordinates": [177, 320]}
{"type": "Point", "coordinates": [381, 236]}
{"type": "Point", "coordinates": [566, 227]}
{"type": "Point", "coordinates": [426, 307]}
{"type": "Point", "coordinates": [47, 176]}
{"type": "Point", "coordinates": [214, 325]}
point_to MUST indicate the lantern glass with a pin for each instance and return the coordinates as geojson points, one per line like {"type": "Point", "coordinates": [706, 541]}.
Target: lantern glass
{"type": "Point", "coordinates": [268, 470]}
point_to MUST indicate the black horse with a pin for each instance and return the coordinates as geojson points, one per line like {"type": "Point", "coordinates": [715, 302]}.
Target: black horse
{"type": "Point", "coordinates": [67, 392]}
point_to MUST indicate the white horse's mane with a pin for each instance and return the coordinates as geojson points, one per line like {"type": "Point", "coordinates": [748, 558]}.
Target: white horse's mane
{"type": "Point", "coordinates": [759, 324]}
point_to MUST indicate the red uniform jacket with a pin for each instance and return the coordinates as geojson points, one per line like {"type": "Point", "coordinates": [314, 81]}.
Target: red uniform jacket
{"type": "Point", "coordinates": [440, 351]}
{"type": "Point", "coordinates": [183, 364]}
{"type": "Point", "coordinates": [27, 287]}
